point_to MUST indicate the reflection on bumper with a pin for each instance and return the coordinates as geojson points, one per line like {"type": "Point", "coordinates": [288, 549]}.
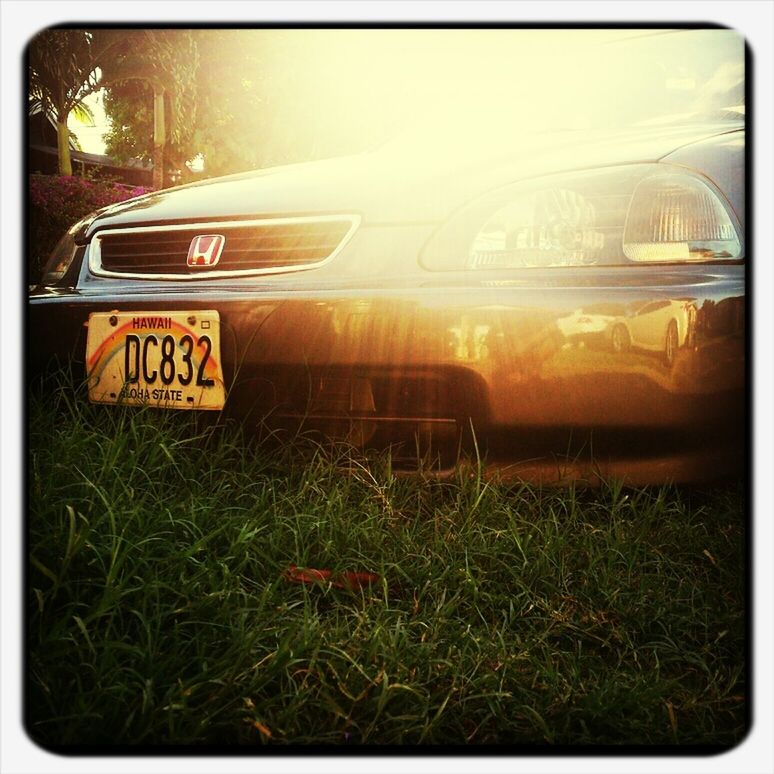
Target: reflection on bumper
{"type": "Point", "coordinates": [491, 369]}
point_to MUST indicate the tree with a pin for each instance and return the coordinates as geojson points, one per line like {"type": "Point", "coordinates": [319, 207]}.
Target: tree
{"type": "Point", "coordinates": [157, 66]}
{"type": "Point", "coordinates": [242, 88]}
{"type": "Point", "coordinates": [63, 66]}
{"type": "Point", "coordinates": [213, 129]}
{"type": "Point", "coordinates": [263, 97]}
{"type": "Point", "coordinates": [82, 113]}
{"type": "Point", "coordinates": [66, 65]}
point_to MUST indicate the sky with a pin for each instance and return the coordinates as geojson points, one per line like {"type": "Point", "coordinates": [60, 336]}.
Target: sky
{"type": "Point", "coordinates": [90, 137]}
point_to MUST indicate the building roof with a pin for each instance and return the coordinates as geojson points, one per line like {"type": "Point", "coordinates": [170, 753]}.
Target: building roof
{"type": "Point", "coordinates": [98, 159]}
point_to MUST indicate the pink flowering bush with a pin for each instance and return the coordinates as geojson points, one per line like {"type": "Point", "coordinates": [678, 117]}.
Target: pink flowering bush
{"type": "Point", "coordinates": [56, 203]}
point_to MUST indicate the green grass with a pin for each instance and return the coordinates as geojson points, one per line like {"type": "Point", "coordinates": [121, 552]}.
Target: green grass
{"type": "Point", "coordinates": [159, 612]}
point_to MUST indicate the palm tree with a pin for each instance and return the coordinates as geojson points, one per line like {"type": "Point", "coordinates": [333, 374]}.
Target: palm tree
{"type": "Point", "coordinates": [66, 66]}
{"type": "Point", "coordinates": [167, 61]}
{"type": "Point", "coordinates": [64, 69]}
{"type": "Point", "coordinates": [82, 113]}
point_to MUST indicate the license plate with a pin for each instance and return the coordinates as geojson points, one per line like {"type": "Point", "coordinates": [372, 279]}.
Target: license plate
{"type": "Point", "coordinates": [164, 359]}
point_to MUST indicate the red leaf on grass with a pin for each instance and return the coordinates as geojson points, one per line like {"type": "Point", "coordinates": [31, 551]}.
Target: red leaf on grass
{"type": "Point", "coordinates": [344, 580]}
{"type": "Point", "coordinates": [355, 580]}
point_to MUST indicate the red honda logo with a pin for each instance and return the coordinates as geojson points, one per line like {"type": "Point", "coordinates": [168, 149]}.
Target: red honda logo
{"type": "Point", "coordinates": [205, 250]}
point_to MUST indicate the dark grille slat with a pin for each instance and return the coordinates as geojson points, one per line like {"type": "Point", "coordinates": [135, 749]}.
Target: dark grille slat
{"type": "Point", "coordinates": [182, 249]}
{"type": "Point", "coordinates": [181, 237]}
{"type": "Point", "coordinates": [328, 246]}
{"type": "Point", "coordinates": [163, 268]}
{"type": "Point", "coordinates": [170, 246]}
{"type": "Point", "coordinates": [248, 248]}
{"type": "Point", "coordinates": [233, 257]}
{"type": "Point", "coordinates": [114, 256]}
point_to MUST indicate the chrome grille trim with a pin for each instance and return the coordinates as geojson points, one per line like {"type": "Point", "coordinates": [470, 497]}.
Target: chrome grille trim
{"type": "Point", "coordinates": [95, 247]}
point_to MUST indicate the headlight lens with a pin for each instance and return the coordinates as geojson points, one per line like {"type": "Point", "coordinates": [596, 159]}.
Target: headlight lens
{"type": "Point", "coordinates": [642, 213]}
{"type": "Point", "coordinates": [60, 259]}
{"type": "Point", "coordinates": [674, 217]}
{"type": "Point", "coordinates": [62, 255]}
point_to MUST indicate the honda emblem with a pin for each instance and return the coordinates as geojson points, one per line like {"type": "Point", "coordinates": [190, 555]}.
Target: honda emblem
{"type": "Point", "coordinates": [205, 250]}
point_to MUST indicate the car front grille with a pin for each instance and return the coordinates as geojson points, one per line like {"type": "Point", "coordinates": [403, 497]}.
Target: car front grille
{"type": "Point", "coordinates": [250, 247]}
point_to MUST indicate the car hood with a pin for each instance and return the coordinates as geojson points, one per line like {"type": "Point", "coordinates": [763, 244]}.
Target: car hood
{"type": "Point", "coordinates": [399, 182]}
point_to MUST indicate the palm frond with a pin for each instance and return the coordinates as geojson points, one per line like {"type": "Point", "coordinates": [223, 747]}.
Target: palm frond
{"type": "Point", "coordinates": [83, 114]}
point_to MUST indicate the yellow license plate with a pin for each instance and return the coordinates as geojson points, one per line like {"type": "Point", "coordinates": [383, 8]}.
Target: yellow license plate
{"type": "Point", "coordinates": [164, 359]}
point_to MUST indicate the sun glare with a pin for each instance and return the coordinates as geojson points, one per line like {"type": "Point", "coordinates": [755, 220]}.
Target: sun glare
{"type": "Point", "coordinates": [331, 92]}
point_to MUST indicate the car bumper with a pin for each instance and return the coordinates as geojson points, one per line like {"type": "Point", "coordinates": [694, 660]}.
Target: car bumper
{"type": "Point", "coordinates": [485, 367]}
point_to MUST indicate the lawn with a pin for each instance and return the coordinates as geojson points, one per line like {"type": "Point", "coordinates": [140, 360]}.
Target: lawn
{"type": "Point", "coordinates": [163, 610]}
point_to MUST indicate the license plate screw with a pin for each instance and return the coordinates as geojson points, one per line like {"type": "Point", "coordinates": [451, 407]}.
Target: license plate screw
{"type": "Point", "coordinates": [113, 320]}
{"type": "Point", "coordinates": [192, 320]}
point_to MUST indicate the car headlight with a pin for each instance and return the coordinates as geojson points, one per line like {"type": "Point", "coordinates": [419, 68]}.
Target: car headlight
{"type": "Point", "coordinates": [60, 259]}
{"type": "Point", "coordinates": [640, 213]}
{"type": "Point", "coordinates": [62, 255]}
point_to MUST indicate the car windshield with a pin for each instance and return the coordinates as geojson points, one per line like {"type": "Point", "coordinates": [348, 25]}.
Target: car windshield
{"type": "Point", "coordinates": [562, 80]}
{"type": "Point", "coordinates": [665, 77]}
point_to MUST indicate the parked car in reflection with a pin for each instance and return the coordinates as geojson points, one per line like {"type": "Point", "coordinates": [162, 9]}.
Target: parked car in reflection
{"type": "Point", "coordinates": [590, 324]}
{"type": "Point", "coordinates": [661, 326]}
